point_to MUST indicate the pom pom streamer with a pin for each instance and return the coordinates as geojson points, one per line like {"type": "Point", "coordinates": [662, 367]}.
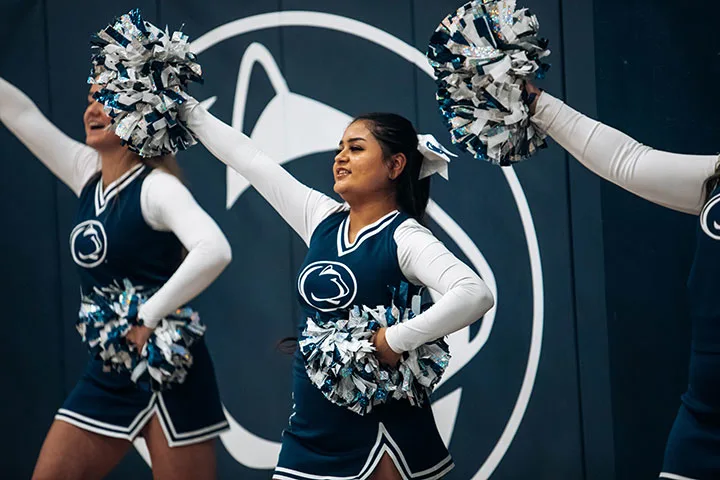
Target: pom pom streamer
{"type": "Point", "coordinates": [105, 318]}
{"type": "Point", "coordinates": [144, 72]}
{"type": "Point", "coordinates": [340, 357]}
{"type": "Point", "coordinates": [482, 54]}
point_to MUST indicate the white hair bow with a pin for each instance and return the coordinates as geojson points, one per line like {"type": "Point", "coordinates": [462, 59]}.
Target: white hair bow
{"type": "Point", "coordinates": [436, 158]}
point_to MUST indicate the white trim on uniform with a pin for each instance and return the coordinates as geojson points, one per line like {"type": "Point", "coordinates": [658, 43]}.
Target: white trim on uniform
{"type": "Point", "coordinates": [156, 406]}
{"type": "Point", "coordinates": [102, 198]}
{"type": "Point", "coordinates": [383, 444]}
{"type": "Point", "coordinates": [344, 245]}
{"type": "Point", "coordinates": [672, 476]}
{"type": "Point", "coordinates": [108, 429]}
{"type": "Point", "coordinates": [176, 439]}
{"type": "Point", "coordinates": [99, 431]}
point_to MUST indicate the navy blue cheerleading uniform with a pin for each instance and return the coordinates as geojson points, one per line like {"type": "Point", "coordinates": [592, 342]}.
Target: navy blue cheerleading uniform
{"type": "Point", "coordinates": [693, 448]}
{"type": "Point", "coordinates": [112, 242]}
{"type": "Point", "coordinates": [324, 440]}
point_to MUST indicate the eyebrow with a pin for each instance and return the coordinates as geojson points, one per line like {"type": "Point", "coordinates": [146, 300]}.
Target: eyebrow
{"type": "Point", "coordinates": [354, 139]}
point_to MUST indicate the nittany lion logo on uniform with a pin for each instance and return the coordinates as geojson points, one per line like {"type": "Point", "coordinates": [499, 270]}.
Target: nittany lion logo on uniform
{"type": "Point", "coordinates": [327, 286]}
{"type": "Point", "coordinates": [88, 244]}
{"type": "Point", "coordinates": [710, 218]}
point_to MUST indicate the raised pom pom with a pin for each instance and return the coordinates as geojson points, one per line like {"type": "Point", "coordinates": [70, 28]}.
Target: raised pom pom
{"type": "Point", "coordinates": [107, 315]}
{"type": "Point", "coordinates": [144, 73]}
{"type": "Point", "coordinates": [340, 357]}
{"type": "Point", "coordinates": [481, 55]}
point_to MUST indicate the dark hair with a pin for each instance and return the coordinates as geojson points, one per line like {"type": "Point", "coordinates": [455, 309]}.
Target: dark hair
{"type": "Point", "coordinates": [165, 162]}
{"type": "Point", "coordinates": [712, 182]}
{"type": "Point", "coordinates": [396, 134]}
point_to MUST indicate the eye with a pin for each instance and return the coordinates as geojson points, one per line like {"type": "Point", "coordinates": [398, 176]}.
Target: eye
{"type": "Point", "coordinates": [355, 148]}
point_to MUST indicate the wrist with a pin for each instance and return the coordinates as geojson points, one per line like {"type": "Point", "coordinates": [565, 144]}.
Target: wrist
{"type": "Point", "coordinates": [391, 339]}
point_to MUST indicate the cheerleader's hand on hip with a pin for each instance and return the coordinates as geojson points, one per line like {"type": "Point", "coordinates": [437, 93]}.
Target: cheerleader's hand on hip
{"type": "Point", "coordinates": [138, 336]}
{"type": "Point", "coordinates": [383, 352]}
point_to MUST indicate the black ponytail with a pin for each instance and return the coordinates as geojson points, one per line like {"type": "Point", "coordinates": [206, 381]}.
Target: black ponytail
{"type": "Point", "coordinates": [396, 134]}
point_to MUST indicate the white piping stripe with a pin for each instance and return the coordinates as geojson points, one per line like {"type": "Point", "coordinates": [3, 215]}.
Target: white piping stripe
{"type": "Point", "coordinates": [368, 464]}
{"type": "Point", "coordinates": [84, 426]}
{"type": "Point", "coordinates": [434, 469]}
{"type": "Point", "coordinates": [179, 437]}
{"type": "Point", "coordinates": [672, 476]}
{"type": "Point", "coordinates": [139, 423]}
{"type": "Point", "coordinates": [80, 423]}
{"type": "Point", "coordinates": [202, 431]}
{"type": "Point", "coordinates": [131, 437]}
{"type": "Point", "coordinates": [101, 200]}
{"type": "Point", "coordinates": [372, 458]}
{"type": "Point", "coordinates": [372, 461]}
{"type": "Point", "coordinates": [394, 448]}
{"type": "Point", "coordinates": [90, 421]}
{"type": "Point", "coordinates": [346, 225]}
{"type": "Point", "coordinates": [110, 426]}
{"type": "Point", "coordinates": [391, 454]}
{"type": "Point", "coordinates": [443, 473]}
{"type": "Point", "coordinates": [163, 424]}
{"type": "Point", "coordinates": [363, 234]}
{"type": "Point", "coordinates": [184, 435]}
{"type": "Point", "coordinates": [104, 193]}
{"type": "Point", "coordinates": [184, 443]}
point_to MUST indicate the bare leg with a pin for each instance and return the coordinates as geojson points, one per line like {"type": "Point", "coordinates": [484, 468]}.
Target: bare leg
{"type": "Point", "coordinates": [70, 452]}
{"type": "Point", "coordinates": [193, 462]}
{"type": "Point", "coordinates": [385, 470]}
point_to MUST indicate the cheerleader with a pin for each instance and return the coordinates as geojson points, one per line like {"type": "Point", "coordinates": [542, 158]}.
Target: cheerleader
{"type": "Point", "coordinates": [357, 250]}
{"type": "Point", "coordinates": [135, 221]}
{"type": "Point", "coordinates": [689, 184]}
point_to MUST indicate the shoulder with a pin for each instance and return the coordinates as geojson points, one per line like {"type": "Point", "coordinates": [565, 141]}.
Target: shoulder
{"type": "Point", "coordinates": [332, 221]}
{"type": "Point", "coordinates": [160, 183]}
{"type": "Point", "coordinates": [409, 229]}
{"type": "Point", "coordinates": [164, 196]}
{"type": "Point", "coordinates": [89, 184]}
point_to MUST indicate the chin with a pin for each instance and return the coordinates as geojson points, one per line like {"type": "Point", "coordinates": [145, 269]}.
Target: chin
{"type": "Point", "coordinates": [102, 142]}
{"type": "Point", "coordinates": [341, 189]}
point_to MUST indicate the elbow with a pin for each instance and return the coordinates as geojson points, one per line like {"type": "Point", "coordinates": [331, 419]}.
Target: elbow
{"type": "Point", "coordinates": [480, 298]}
{"type": "Point", "coordinates": [485, 299]}
{"type": "Point", "coordinates": [217, 254]}
{"type": "Point", "coordinates": [224, 254]}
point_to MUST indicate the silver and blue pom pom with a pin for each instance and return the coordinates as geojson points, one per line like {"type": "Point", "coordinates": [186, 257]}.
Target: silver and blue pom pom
{"type": "Point", "coordinates": [107, 315]}
{"type": "Point", "coordinates": [340, 357]}
{"type": "Point", "coordinates": [144, 73]}
{"type": "Point", "coordinates": [482, 54]}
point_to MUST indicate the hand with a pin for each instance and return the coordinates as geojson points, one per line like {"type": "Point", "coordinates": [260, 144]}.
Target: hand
{"type": "Point", "coordinates": [384, 353]}
{"type": "Point", "coordinates": [138, 336]}
{"type": "Point", "coordinates": [531, 90]}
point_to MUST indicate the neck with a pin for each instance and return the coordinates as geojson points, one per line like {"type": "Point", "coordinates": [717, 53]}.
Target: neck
{"type": "Point", "coordinates": [365, 213]}
{"type": "Point", "coordinates": [115, 163]}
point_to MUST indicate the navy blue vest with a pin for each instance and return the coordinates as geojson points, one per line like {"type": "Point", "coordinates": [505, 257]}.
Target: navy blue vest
{"type": "Point", "coordinates": [337, 275]}
{"type": "Point", "coordinates": [111, 240]}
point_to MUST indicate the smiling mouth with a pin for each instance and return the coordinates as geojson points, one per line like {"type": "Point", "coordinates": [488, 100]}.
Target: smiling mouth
{"type": "Point", "coordinates": [96, 126]}
{"type": "Point", "coordinates": [342, 173]}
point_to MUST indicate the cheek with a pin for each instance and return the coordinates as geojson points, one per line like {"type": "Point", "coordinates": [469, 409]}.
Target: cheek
{"type": "Point", "coordinates": [373, 173]}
